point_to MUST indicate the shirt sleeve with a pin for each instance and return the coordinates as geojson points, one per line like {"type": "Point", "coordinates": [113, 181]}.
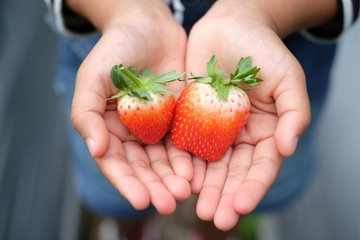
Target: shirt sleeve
{"type": "Point", "coordinates": [348, 12]}
{"type": "Point", "coordinates": [68, 22]}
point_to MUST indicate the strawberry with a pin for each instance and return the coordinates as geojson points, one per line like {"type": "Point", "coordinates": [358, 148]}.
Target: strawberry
{"type": "Point", "coordinates": [145, 105]}
{"type": "Point", "coordinates": [212, 110]}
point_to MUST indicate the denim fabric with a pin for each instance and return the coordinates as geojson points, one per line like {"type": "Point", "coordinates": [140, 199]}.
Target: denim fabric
{"type": "Point", "coordinates": [99, 195]}
{"type": "Point", "coordinates": [94, 189]}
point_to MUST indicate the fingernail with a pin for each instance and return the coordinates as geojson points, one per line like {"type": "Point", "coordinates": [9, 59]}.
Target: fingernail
{"type": "Point", "coordinates": [90, 144]}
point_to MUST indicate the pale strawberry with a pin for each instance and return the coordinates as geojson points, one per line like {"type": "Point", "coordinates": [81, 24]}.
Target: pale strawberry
{"type": "Point", "coordinates": [145, 106]}
{"type": "Point", "coordinates": [212, 110]}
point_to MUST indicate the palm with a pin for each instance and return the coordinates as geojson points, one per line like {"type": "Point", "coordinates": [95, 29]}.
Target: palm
{"type": "Point", "coordinates": [141, 174]}
{"type": "Point", "coordinates": [237, 183]}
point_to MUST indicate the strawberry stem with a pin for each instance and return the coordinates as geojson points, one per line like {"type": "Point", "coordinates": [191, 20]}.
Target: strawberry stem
{"type": "Point", "coordinates": [130, 75]}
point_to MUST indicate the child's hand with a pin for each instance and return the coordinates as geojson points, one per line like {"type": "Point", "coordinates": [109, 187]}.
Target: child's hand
{"type": "Point", "coordinates": [137, 34]}
{"type": "Point", "coordinates": [280, 110]}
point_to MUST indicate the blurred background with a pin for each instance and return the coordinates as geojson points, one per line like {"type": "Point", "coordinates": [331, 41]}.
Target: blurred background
{"type": "Point", "coordinates": [37, 197]}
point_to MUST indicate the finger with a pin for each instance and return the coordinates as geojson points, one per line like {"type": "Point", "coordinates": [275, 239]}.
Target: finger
{"type": "Point", "coordinates": [116, 127]}
{"type": "Point", "coordinates": [226, 217]}
{"type": "Point", "coordinates": [293, 109]}
{"type": "Point", "coordinates": [114, 167]}
{"type": "Point", "coordinates": [196, 183]}
{"type": "Point", "coordinates": [178, 186]}
{"type": "Point", "coordinates": [160, 196]}
{"type": "Point", "coordinates": [181, 161]}
{"type": "Point", "coordinates": [264, 168]}
{"type": "Point", "coordinates": [211, 190]}
{"type": "Point", "coordinates": [88, 107]}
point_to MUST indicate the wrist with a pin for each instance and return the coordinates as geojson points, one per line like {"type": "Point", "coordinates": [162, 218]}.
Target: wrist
{"type": "Point", "coordinates": [285, 17]}
{"type": "Point", "coordinates": [104, 14]}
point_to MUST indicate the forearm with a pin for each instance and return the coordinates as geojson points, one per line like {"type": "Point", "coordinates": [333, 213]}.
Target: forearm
{"type": "Point", "coordinates": [292, 15]}
{"type": "Point", "coordinates": [103, 13]}
{"type": "Point", "coordinates": [286, 16]}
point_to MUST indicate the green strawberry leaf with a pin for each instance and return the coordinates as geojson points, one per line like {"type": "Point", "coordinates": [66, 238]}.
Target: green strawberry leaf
{"type": "Point", "coordinates": [141, 93]}
{"type": "Point", "coordinates": [222, 91]}
{"type": "Point", "coordinates": [220, 76]}
{"type": "Point", "coordinates": [249, 80]}
{"type": "Point", "coordinates": [158, 87]}
{"type": "Point", "coordinates": [211, 67]}
{"type": "Point", "coordinates": [245, 74]}
{"type": "Point", "coordinates": [118, 95]}
{"type": "Point", "coordinates": [128, 82]}
{"type": "Point", "coordinates": [138, 84]}
{"type": "Point", "coordinates": [201, 79]}
{"type": "Point", "coordinates": [147, 73]}
{"type": "Point", "coordinates": [134, 71]}
{"type": "Point", "coordinates": [115, 77]}
{"type": "Point", "coordinates": [244, 69]}
{"type": "Point", "coordinates": [168, 77]}
{"type": "Point", "coordinates": [252, 71]}
{"type": "Point", "coordinates": [118, 79]}
{"type": "Point", "coordinates": [131, 79]}
{"type": "Point", "coordinates": [244, 64]}
{"type": "Point", "coordinates": [205, 80]}
{"type": "Point", "coordinates": [246, 89]}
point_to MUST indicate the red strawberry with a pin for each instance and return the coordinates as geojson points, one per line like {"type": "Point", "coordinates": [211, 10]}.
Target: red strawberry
{"type": "Point", "coordinates": [145, 106]}
{"type": "Point", "coordinates": [212, 110]}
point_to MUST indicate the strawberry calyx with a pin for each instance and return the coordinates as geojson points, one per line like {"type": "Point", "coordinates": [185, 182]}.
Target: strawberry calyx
{"type": "Point", "coordinates": [131, 81]}
{"type": "Point", "coordinates": [244, 77]}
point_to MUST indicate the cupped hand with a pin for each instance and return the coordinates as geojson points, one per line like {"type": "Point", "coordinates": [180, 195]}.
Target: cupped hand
{"type": "Point", "coordinates": [280, 111]}
{"type": "Point", "coordinates": [142, 36]}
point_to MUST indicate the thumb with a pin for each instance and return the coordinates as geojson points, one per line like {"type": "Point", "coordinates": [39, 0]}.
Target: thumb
{"type": "Point", "coordinates": [88, 107]}
{"type": "Point", "coordinates": [293, 107]}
